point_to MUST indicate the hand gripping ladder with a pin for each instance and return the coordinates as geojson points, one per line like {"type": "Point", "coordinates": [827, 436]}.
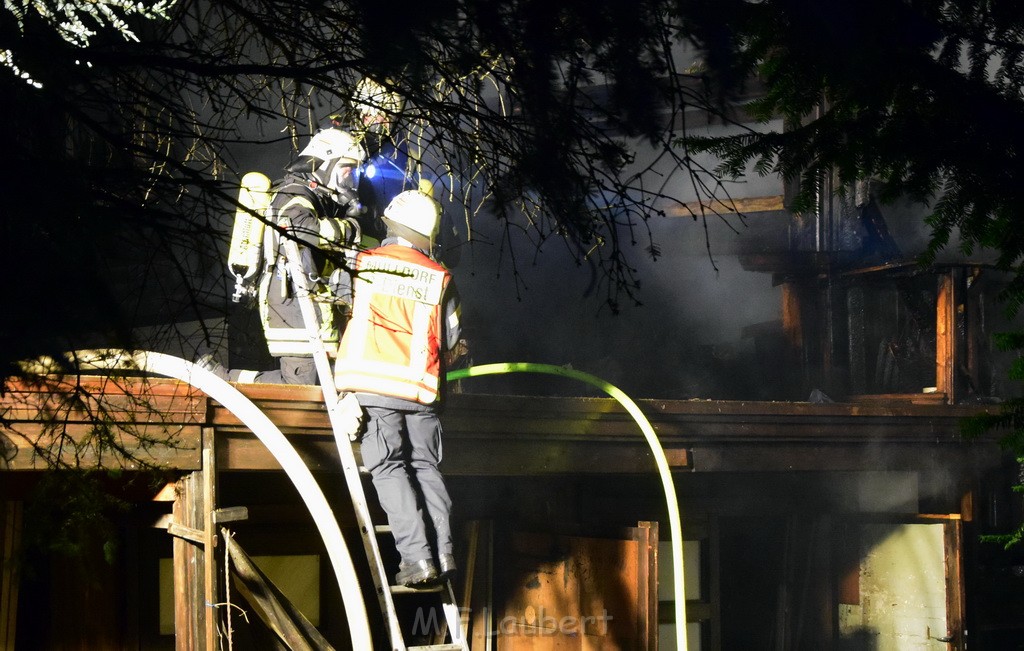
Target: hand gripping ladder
{"type": "Point", "coordinates": [345, 415]}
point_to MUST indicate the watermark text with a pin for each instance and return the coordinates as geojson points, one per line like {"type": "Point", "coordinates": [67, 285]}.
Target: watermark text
{"type": "Point", "coordinates": [532, 622]}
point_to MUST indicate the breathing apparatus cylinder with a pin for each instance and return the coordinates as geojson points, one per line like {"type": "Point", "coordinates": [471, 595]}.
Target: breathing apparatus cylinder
{"type": "Point", "coordinates": [245, 256]}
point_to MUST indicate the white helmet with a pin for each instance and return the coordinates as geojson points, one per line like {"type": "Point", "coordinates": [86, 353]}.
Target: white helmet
{"type": "Point", "coordinates": [331, 144]}
{"type": "Point", "coordinates": [374, 103]}
{"type": "Point", "coordinates": [415, 216]}
{"type": "Point", "coordinates": [330, 158]}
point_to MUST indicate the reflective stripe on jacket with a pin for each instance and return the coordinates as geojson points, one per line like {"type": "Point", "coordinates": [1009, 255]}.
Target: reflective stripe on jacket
{"type": "Point", "coordinates": [280, 314]}
{"type": "Point", "coordinates": [392, 343]}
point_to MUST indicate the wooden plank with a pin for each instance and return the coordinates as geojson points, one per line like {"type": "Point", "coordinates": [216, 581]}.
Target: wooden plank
{"type": "Point", "coordinates": [568, 591]}
{"type": "Point", "coordinates": [739, 205]}
{"type": "Point", "coordinates": [32, 446]}
{"type": "Point", "coordinates": [54, 421]}
{"type": "Point", "coordinates": [772, 457]}
{"type": "Point", "coordinates": [231, 514]}
{"type": "Point", "coordinates": [38, 434]}
{"type": "Point", "coordinates": [508, 435]}
{"type": "Point", "coordinates": [537, 456]}
{"type": "Point", "coordinates": [93, 394]}
{"type": "Point", "coordinates": [958, 388]}
{"type": "Point", "coordinates": [56, 407]}
{"type": "Point", "coordinates": [956, 600]}
{"type": "Point", "coordinates": [478, 590]}
{"type": "Point", "coordinates": [536, 412]}
{"type": "Point", "coordinates": [298, 416]}
{"type": "Point", "coordinates": [646, 536]}
{"type": "Point", "coordinates": [210, 598]}
{"type": "Point", "coordinates": [305, 409]}
{"type": "Point", "coordinates": [284, 392]}
{"type": "Point", "coordinates": [951, 334]}
{"type": "Point", "coordinates": [505, 456]}
{"type": "Point", "coordinates": [270, 604]}
{"type": "Point", "coordinates": [189, 592]}
{"type": "Point", "coordinates": [468, 571]}
{"type": "Point", "coordinates": [943, 336]}
{"type": "Point", "coordinates": [243, 451]}
{"type": "Point", "coordinates": [931, 398]}
{"type": "Point", "coordinates": [11, 511]}
{"type": "Point", "coordinates": [714, 596]}
{"type": "Point", "coordinates": [188, 533]}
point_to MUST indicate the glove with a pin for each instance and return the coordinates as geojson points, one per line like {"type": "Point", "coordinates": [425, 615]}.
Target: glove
{"type": "Point", "coordinates": [355, 210]}
{"type": "Point", "coordinates": [453, 355]}
{"type": "Point", "coordinates": [339, 283]}
{"type": "Point", "coordinates": [351, 414]}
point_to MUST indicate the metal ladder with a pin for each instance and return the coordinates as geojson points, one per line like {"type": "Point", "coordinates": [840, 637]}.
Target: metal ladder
{"type": "Point", "coordinates": [344, 415]}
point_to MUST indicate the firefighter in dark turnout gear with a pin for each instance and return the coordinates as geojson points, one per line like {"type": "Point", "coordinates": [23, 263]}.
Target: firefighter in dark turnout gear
{"type": "Point", "coordinates": [405, 318]}
{"type": "Point", "coordinates": [316, 204]}
{"type": "Point", "coordinates": [394, 160]}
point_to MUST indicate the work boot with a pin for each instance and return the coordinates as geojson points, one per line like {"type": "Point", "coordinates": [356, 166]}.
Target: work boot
{"type": "Point", "coordinates": [446, 565]}
{"type": "Point", "coordinates": [416, 574]}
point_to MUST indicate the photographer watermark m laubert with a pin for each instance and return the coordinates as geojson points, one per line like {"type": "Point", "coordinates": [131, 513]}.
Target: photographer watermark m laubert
{"type": "Point", "coordinates": [532, 622]}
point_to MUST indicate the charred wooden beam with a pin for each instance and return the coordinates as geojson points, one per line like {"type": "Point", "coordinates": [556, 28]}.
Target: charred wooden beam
{"type": "Point", "coordinates": [739, 205]}
{"type": "Point", "coordinates": [10, 539]}
{"type": "Point", "coordinates": [951, 334]}
{"type": "Point", "coordinates": [529, 435]}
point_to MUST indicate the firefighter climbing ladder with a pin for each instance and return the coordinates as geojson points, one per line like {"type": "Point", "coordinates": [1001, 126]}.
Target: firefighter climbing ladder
{"type": "Point", "coordinates": [342, 420]}
{"type": "Point", "coordinates": [341, 416]}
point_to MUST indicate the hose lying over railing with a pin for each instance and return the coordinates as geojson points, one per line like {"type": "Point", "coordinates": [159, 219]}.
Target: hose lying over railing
{"type": "Point", "coordinates": [279, 446]}
{"type": "Point", "coordinates": [284, 453]}
{"type": "Point", "coordinates": [675, 523]}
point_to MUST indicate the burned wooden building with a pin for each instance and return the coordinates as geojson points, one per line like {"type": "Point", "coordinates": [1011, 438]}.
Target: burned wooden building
{"type": "Point", "coordinates": [850, 520]}
{"type": "Point", "coordinates": [828, 499]}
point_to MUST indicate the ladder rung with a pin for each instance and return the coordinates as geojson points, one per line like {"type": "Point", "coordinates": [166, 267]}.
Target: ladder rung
{"type": "Point", "coordinates": [382, 528]}
{"type": "Point", "coordinates": [402, 589]}
{"type": "Point", "coordinates": [437, 647]}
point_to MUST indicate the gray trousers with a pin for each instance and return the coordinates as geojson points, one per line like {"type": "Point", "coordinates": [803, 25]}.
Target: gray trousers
{"type": "Point", "coordinates": [401, 449]}
{"type": "Point", "coordinates": [293, 370]}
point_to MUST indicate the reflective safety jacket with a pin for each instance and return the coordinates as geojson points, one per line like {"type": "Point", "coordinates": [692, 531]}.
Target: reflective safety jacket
{"type": "Point", "coordinates": [393, 342]}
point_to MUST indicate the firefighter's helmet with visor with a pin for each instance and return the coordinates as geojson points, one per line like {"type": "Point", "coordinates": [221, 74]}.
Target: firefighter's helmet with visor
{"type": "Point", "coordinates": [374, 104]}
{"type": "Point", "coordinates": [330, 159]}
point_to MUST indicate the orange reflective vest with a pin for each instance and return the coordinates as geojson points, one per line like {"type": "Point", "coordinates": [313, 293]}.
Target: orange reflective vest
{"type": "Point", "coordinates": [392, 344]}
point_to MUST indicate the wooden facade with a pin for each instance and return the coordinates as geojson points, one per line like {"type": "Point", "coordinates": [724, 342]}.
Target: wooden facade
{"type": "Point", "coordinates": [808, 476]}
